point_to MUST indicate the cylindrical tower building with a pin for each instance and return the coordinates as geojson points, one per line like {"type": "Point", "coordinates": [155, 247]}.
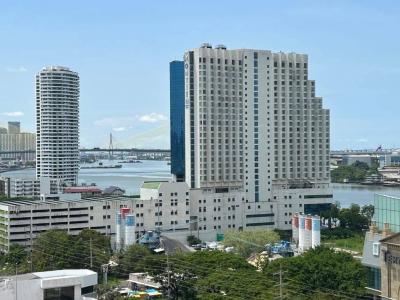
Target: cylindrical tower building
{"type": "Point", "coordinates": [130, 235]}
{"type": "Point", "coordinates": [118, 231]}
{"type": "Point", "coordinates": [316, 231]}
{"type": "Point", "coordinates": [302, 225]}
{"type": "Point", "coordinates": [57, 124]}
{"type": "Point", "coordinates": [307, 235]}
{"type": "Point", "coordinates": [295, 228]}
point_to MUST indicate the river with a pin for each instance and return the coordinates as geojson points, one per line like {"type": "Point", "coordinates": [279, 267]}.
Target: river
{"type": "Point", "coordinates": [131, 176]}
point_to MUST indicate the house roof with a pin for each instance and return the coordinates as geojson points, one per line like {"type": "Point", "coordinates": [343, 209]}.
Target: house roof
{"type": "Point", "coordinates": [112, 189]}
{"type": "Point", "coordinates": [390, 237]}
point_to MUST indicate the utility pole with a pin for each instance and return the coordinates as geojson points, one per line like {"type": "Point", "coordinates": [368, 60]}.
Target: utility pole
{"type": "Point", "coordinates": [280, 273]}
{"type": "Point", "coordinates": [16, 281]}
{"type": "Point", "coordinates": [169, 278]}
{"type": "Point", "coordinates": [30, 258]}
{"type": "Point", "coordinates": [104, 269]}
{"type": "Point", "coordinates": [91, 253]}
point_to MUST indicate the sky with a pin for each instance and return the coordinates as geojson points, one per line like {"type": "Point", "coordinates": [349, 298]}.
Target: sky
{"type": "Point", "coordinates": [122, 49]}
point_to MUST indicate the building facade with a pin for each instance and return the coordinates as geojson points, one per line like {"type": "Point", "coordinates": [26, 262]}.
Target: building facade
{"type": "Point", "coordinates": [25, 187]}
{"type": "Point", "coordinates": [14, 127]}
{"type": "Point", "coordinates": [253, 123]}
{"type": "Point", "coordinates": [18, 142]}
{"type": "Point", "coordinates": [177, 119]}
{"type": "Point", "coordinates": [387, 211]}
{"type": "Point", "coordinates": [57, 124]}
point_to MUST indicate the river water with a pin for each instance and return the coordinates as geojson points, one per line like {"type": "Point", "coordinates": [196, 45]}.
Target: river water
{"type": "Point", "coordinates": [131, 176]}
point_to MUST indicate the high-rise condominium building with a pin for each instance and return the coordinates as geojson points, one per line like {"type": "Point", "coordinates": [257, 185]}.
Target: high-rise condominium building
{"type": "Point", "coordinates": [253, 123]}
{"type": "Point", "coordinates": [57, 124]}
{"type": "Point", "coordinates": [177, 119]}
{"type": "Point", "coordinates": [14, 127]}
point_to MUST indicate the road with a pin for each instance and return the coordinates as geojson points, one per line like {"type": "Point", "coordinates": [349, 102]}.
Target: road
{"type": "Point", "coordinates": [171, 245]}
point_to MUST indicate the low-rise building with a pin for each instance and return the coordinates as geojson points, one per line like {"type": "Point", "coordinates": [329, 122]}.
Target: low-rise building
{"type": "Point", "coordinates": [85, 191]}
{"type": "Point", "coordinates": [381, 253]}
{"type": "Point", "coordinates": [163, 206]}
{"type": "Point", "coordinates": [27, 187]}
{"type": "Point", "coordinates": [50, 285]}
{"type": "Point", "coordinates": [113, 191]}
{"type": "Point", "coordinates": [351, 159]}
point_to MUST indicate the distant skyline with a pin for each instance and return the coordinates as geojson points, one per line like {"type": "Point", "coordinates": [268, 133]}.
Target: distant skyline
{"type": "Point", "coordinates": [122, 50]}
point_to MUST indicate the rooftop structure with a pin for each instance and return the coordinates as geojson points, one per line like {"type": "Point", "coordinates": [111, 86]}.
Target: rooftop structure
{"type": "Point", "coordinates": [71, 284]}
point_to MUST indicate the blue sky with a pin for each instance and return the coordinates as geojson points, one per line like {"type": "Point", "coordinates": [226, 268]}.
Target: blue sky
{"type": "Point", "coordinates": [121, 50]}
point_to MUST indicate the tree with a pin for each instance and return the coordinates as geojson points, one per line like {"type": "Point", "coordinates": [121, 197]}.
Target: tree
{"type": "Point", "coordinates": [132, 259]}
{"type": "Point", "coordinates": [324, 270]}
{"type": "Point", "coordinates": [247, 242]}
{"type": "Point", "coordinates": [192, 240]}
{"type": "Point", "coordinates": [368, 211]}
{"type": "Point", "coordinates": [331, 214]}
{"type": "Point", "coordinates": [16, 255]}
{"type": "Point", "coordinates": [179, 274]}
{"type": "Point", "coordinates": [55, 249]}
{"type": "Point", "coordinates": [352, 218]}
{"type": "Point", "coordinates": [93, 245]}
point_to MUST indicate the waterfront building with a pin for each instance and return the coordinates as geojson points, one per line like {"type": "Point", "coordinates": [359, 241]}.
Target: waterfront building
{"type": "Point", "coordinates": [26, 187]}
{"type": "Point", "coordinates": [254, 125]}
{"type": "Point", "coordinates": [49, 285]}
{"type": "Point", "coordinates": [21, 143]}
{"type": "Point", "coordinates": [57, 124]}
{"type": "Point", "coordinates": [177, 119]}
{"type": "Point", "coordinates": [348, 160]}
{"type": "Point", "coordinates": [14, 127]}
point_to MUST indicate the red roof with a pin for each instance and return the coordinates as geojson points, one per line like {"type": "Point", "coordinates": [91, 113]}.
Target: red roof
{"type": "Point", "coordinates": [82, 189]}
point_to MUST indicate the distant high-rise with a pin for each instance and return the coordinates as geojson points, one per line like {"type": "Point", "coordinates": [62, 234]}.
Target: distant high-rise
{"type": "Point", "coordinates": [14, 127]}
{"type": "Point", "coordinates": [253, 123]}
{"type": "Point", "coordinates": [3, 130]}
{"type": "Point", "coordinates": [57, 124]}
{"type": "Point", "coordinates": [177, 119]}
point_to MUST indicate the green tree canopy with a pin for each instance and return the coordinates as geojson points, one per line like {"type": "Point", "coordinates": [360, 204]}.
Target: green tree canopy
{"type": "Point", "coordinates": [249, 241]}
{"type": "Point", "coordinates": [322, 271]}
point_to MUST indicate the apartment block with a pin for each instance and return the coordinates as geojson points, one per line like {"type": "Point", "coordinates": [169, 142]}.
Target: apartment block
{"type": "Point", "coordinates": [57, 124]}
{"type": "Point", "coordinates": [254, 123]}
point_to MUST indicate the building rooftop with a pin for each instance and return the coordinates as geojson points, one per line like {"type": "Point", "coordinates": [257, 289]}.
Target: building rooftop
{"type": "Point", "coordinates": [152, 184]}
{"type": "Point", "coordinates": [82, 189]}
{"type": "Point", "coordinates": [22, 202]}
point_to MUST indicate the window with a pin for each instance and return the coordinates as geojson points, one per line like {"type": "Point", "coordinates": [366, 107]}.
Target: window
{"type": "Point", "coordinates": [64, 293]}
{"type": "Point", "coordinates": [375, 248]}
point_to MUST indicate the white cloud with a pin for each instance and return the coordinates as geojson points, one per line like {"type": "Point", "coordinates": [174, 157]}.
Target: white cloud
{"type": "Point", "coordinates": [361, 140]}
{"type": "Point", "coordinates": [13, 114]}
{"type": "Point", "coordinates": [152, 118]}
{"type": "Point", "coordinates": [119, 129]}
{"type": "Point", "coordinates": [114, 122]}
{"type": "Point", "coordinates": [16, 69]}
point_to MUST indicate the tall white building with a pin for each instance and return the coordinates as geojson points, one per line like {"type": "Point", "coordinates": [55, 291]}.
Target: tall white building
{"type": "Point", "coordinates": [253, 123]}
{"type": "Point", "coordinates": [57, 124]}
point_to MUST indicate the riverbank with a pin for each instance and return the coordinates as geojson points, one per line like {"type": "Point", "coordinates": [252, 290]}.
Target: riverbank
{"type": "Point", "coordinates": [131, 176]}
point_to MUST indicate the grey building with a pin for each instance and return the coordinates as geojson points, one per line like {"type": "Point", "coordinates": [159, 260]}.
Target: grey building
{"type": "Point", "coordinates": [14, 127]}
